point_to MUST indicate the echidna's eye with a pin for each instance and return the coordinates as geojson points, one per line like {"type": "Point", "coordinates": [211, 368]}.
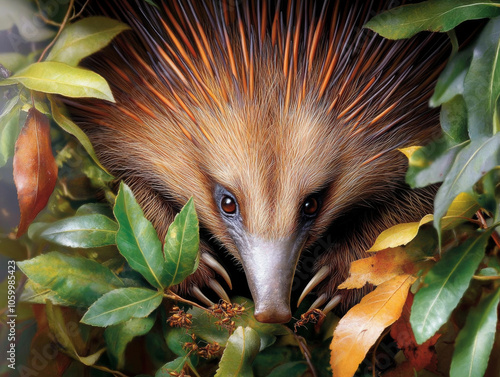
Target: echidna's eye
{"type": "Point", "coordinates": [228, 205]}
{"type": "Point", "coordinates": [310, 206]}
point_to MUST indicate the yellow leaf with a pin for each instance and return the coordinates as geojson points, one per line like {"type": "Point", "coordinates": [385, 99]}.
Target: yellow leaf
{"type": "Point", "coordinates": [409, 151]}
{"type": "Point", "coordinates": [464, 206]}
{"type": "Point", "coordinates": [383, 266]}
{"type": "Point", "coordinates": [399, 234]}
{"type": "Point", "coordinates": [360, 328]}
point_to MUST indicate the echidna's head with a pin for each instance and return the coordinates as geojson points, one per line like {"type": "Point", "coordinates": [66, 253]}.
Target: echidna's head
{"type": "Point", "coordinates": [277, 131]}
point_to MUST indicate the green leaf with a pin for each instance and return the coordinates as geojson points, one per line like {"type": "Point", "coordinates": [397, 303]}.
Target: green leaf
{"type": "Point", "coordinates": [9, 131]}
{"type": "Point", "coordinates": [241, 349]}
{"type": "Point", "coordinates": [204, 326]}
{"type": "Point", "coordinates": [175, 338]}
{"type": "Point", "coordinates": [482, 83]}
{"type": "Point", "coordinates": [472, 162]}
{"type": "Point", "coordinates": [13, 61]}
{"type": "Point", "coordinates": [434, 15]}
{"type": "Point", "coordinates": [137, 239]}
{"type": "Point", "coordinates": [95, 208]}
{"type": "Point", "coordinates": [63, 79]}
{"type": "Point", "coordinates": [475, 341]}
{"type": "Point", "coordinates": [453, 118]}
{"type": "Point", "coordinates": [431, 163]}
{"type": "Point", "coordinates": [444, 286]}
{"type": "Point", "coordinates": [83, 38]}
{"type": "Point", "coordinates": [58, 113]}
{"type": "Point", "coordinates": [121, 305]}
{"type": "Point", "coordinates": [175, 365]}
{"type": "Point", "coordinates": [59, 329]}
{"type": "Point", "coordinates": [451, 80]}
{"type": "Point", "coordinates": [181, 246]}
{"type": "Point", "coordinates": [82, 231]}
{"type": "Point", "coordinates": [118, 336]}
{"type": "Point", "coordinates": [77, 280]}
{"type": "Point", "coordinates": [291, 369]}
{"type": "Point", "coordinates": [36, 294]}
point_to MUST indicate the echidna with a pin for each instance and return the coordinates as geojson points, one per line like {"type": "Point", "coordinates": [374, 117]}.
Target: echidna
{"type": "Point", "coordinates": [281, 118]}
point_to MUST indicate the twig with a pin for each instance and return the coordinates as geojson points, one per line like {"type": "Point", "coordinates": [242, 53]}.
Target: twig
{"type": "Point", "coordinates": [43, 18]}
{"type": "Point", "coordinates": [173, 296]}
{"type": "Point", "coordinates": [63, 24]}
{"type": "Point", "coordinates": [494, 234]}
{"type": "Point", "coordinates": [305, 351]}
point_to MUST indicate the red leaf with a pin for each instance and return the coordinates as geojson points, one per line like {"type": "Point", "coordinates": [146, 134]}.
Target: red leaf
{"type": "Point", "coordinates": [419, 356]}
{"type": "Point", "coordinates": [35, 169]}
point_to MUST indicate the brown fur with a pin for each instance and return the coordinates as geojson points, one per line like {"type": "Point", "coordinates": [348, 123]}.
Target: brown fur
{"type": "Point", "coordinates": [272, 108]}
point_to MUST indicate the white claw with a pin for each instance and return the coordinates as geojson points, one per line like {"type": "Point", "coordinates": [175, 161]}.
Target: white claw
{"type": "Point", "coordinates": [318, 278]}
{"type": "Point", "coordinates": [195, 291]}
{"type": "Point", "coordinates": [214, 284]}
{"type": "Point", "coordinates": [217, 267]}
{"type": "Point", "coordinates": [319, 302]}
{"type": "Point", "coordinates": [332, 304]}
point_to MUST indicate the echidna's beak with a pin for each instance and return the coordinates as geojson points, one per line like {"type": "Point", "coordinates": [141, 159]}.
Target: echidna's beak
{"type": "Point", "coordinates": [269, 268]}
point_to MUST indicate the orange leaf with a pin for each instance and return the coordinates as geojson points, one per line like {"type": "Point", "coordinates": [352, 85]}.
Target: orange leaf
{"type": "Point", "coordinates": [360, 328]}
{"type": "Point", "coordinates": [419, 356]}
{"type": "Point", "coordinates": [35, 169]}
{"type": "Point", "coordinates": [383, 266]}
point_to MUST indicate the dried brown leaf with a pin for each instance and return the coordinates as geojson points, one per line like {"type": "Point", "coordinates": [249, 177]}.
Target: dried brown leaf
{"type": "Point", "coordinates": [35, 169]}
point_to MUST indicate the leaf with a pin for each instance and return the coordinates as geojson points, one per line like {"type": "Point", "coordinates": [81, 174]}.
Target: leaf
{"type": "Point", "coordinates": [35, 169]}
{"type": "Point", "coordinates": [181, 246]}
{"type": "Point", "coordinates": [360, 328]}
{"type": "Point", "coordinates": [475, 341]}
{"type": "Point", "coordinates": [383, 266]}
{"type": "Point", "coordinates": [13, 61]}
{"type": "Point", "coordinates": [241, 349]}
{"type": "Point", "coordinates": [444, 286]}
{"type": "Point", "coordinates": [420, 356]}
{"type": "Point", "coordinates": [118, 336]}
{"type": "Point", "coordinates": [482, 83]}
{"type": "Point", "coordinates": [83, 38]}
{"type": "Point", "coordinates": [453, 118]}
{"type": "Point", "coordinates": [121, 305]}
{"type": "Point", "coordinates": [58, 327]}
{"type": "Point", "coordinates": [137, 239]}
{"type": "Point", "coordinates": [63, 79]}
{"type": "Point", "coordinates": [435, 15]}
{"type": "Point", "coordinates": [77, 280]}
{"type": "Point", "coordinates": [432, 163]}
{"type": "Point", "coordinates": [204, 325]}
{"type": "Point", "coordinates": [464, 206]}
{"type": "Point", "coordinates": [9, 131]}
{"type": "Point", "coordinates": [451, 80]}
{"type": "Point", "coordinates": [399, 235]}
{"type": "Point", "coordinates": [36, 294]}
{"type": "Point", "coordinates": [175, 365]}
{"type": "Point", "coordinates": [291, 369]}
{"type": "Point", "coordinates": [82, 231]}
{"type": "Point", "coordinates": [408, 152]}
{"type": "Point", "coordinates": [471, 163]}
{"type": "Point", "coordinates": [58, 113]}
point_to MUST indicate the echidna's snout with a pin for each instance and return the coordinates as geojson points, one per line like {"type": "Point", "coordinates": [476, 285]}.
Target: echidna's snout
{"type": "Point", "coordinates": [269, 268]}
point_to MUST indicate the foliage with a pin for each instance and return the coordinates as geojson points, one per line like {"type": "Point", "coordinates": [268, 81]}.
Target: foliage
{"type": "Point", "coordinates": [100, 280]}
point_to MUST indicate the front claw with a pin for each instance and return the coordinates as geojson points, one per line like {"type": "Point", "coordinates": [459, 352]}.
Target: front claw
{"type": "Point", "coordinates": [204, 277]}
